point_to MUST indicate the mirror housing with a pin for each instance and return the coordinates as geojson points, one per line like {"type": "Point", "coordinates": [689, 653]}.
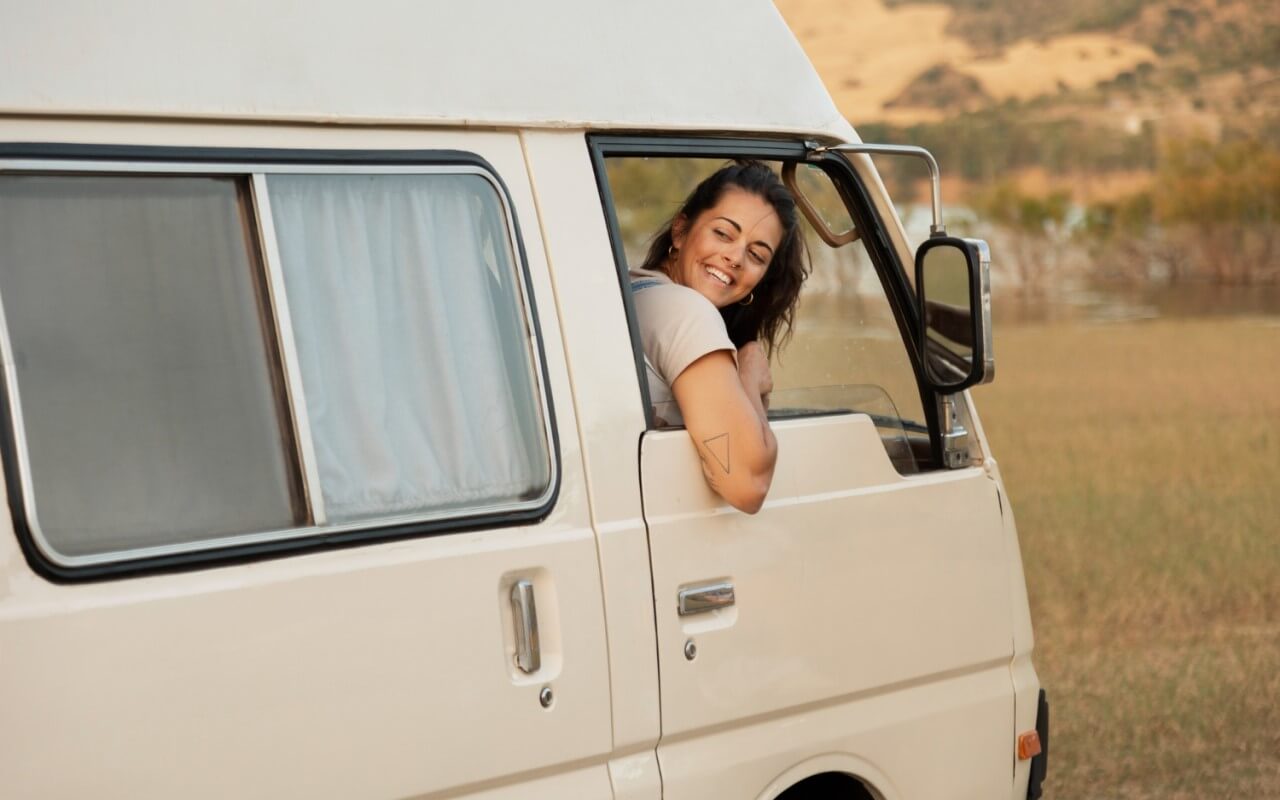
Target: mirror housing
{"type": "Point", "coordinates": [953, 284]}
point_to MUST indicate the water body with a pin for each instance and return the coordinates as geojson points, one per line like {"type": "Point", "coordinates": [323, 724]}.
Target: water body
{"type": "Point", "coordinates": [1124, 303]}
{"type": "Point", "coordinates": [1081, 299]}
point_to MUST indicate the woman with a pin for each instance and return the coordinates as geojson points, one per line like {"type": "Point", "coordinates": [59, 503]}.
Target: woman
{"type": "Point", "coordinates": [715, 298]}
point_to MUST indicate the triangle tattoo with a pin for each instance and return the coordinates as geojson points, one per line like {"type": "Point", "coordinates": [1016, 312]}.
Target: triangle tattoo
{"type": "Point", "coordinates": [718, 447]}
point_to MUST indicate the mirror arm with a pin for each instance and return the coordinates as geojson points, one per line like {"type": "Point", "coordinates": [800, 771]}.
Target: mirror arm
{"type": "Point", "coordinates": [935, 181]}
{"type": "Point", "coordinates": [955, 437]}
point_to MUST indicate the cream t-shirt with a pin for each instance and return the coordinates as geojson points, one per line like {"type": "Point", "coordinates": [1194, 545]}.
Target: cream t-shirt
{"type": "Point", "coordinates": [677, 327]}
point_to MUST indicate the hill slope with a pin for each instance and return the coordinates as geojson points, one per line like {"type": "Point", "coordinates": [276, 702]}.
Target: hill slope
{"type": "Point", "coordinates": [1206, 64]}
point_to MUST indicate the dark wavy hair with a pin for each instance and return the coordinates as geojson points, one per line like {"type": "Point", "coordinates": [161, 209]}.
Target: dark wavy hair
{"type": "Point", "coordinates": [770, 315]}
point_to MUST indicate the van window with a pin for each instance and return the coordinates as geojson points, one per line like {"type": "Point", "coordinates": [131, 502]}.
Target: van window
{"type": "Point", "coordinates": [136, 325]}
{"type": "Point", "coordinates": [846, 353]}
{"type": "Point", "coordinates": [200, 361]}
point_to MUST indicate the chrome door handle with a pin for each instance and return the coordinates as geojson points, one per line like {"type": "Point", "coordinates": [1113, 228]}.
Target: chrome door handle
{"type": "Point", "coordinates": [528, 652]}
{"type": "Point", "coordinates": [705, 597]}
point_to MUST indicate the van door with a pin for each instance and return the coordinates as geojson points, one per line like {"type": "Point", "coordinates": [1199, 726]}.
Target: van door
{"type": "Point", "coordinates": [862, 616]}
{"type": "Point", "coordinates": [295, 475]}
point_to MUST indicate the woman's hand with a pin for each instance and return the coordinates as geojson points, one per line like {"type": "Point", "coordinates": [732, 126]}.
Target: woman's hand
{"type": "Point", "coordinates": [724, 412]}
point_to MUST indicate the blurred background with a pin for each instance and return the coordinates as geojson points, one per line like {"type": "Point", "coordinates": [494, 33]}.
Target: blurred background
{"type": "Point", "coordinates": [1123, 159]}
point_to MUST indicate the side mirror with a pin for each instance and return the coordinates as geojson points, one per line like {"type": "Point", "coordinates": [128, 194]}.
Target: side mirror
{"type": "Point", "coordinates": [953, 281]}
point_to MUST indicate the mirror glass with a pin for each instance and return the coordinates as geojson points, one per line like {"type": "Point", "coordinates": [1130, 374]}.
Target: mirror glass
{"type": "Point", "coordinates": [948, 314]}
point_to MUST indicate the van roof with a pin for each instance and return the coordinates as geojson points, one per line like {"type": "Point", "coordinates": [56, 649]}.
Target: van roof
{"type": "Point", "coordinates": [730, 65]}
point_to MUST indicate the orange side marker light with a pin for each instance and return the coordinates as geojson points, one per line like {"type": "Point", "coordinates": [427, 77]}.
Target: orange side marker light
{"type": "Point", "coordinates": [1028, 745]}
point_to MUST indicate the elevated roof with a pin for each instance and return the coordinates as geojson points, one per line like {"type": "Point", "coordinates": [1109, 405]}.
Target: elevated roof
{"type": "Point", "coordinates": [665, 64]}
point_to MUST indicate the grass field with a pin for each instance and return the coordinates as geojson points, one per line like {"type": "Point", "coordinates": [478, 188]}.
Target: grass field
{"type": "Point", "coordinates": [1143, 462]}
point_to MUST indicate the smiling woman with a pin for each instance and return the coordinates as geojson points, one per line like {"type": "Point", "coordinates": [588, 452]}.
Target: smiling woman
{"type": "Point", "coordinates": [715, 297]}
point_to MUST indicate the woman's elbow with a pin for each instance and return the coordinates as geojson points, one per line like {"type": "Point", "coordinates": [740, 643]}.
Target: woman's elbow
{"type": "Point", "coordinates": [750, 496]}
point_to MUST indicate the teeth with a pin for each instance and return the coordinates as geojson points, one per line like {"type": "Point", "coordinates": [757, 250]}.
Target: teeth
{"type": "Point", "coordinates": [718, 275]}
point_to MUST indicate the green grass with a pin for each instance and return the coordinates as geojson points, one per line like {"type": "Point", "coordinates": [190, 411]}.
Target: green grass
{"type": "Point", "coordinates": [1143, 461]}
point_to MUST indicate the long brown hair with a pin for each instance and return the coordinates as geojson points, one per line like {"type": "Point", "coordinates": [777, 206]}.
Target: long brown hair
{"type": "Point", "coordinates": [771, 313]}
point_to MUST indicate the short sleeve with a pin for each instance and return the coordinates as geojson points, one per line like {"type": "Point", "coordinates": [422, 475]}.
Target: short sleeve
{"type": "Point", "coordinates": [677, 327]}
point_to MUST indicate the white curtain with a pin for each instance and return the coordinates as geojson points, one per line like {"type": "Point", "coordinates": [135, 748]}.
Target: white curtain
{"type": "Point", "coordinates": [415, 356]}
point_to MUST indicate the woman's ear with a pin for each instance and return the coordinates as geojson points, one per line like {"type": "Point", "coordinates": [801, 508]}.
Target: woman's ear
{"type": "Point", "coordinates": [679, 229]}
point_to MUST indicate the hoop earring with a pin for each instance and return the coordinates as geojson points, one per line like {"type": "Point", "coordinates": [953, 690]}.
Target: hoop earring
{"type": "Point", "coordinates": [672, 251]}
{"type": "Point", "coordinates": [751, 298]}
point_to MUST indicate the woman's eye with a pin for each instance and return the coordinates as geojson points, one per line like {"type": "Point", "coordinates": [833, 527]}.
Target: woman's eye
{"type": "Point", "coordinates": [757, 256]}
{"type": "Point", "coordinates": [723, 234]}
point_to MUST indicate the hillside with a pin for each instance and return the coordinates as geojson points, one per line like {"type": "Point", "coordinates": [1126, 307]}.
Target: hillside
{"type": "Point", "coordinates": [1219, 58]}
{"type": "Point", "coordinates": [1086, 93]}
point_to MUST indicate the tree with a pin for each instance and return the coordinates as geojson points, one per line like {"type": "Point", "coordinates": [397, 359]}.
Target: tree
{"type": "Point", "coordinates": [1037, 232]}
{"type": "Point", "coordinates": [1222, 204]}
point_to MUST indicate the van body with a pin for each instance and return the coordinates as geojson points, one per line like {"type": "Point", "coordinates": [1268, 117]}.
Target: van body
{"type": "Point", "coordinates": [329, 464]}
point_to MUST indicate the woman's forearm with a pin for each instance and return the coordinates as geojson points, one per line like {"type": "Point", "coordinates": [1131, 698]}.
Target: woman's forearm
{"type": "Point", "coordinates": [730, 429]}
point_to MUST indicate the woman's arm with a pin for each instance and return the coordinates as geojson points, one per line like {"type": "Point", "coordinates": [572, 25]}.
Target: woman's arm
{"type": "Point", "coordinates": [723, 408]}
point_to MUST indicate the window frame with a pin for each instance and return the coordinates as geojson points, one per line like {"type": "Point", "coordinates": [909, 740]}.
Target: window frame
{"type": "Point", "coordinates": [254, 166]}
{"type": "Point", "coordinates": [888, 266]}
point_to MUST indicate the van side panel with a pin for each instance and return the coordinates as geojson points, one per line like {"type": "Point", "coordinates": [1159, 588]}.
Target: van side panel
{"type": "Point", "coordinates": [380, 674]}
{"type": "Point", "coordinates": [933, 740]}
{"type": "Point", "coordinates": [871, 618]}
{"type": "Point", "coordinates": [371, 671]}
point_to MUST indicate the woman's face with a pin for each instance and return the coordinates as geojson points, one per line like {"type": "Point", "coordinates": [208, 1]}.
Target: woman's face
{"type": "Point", "coordinates": [725, 252]}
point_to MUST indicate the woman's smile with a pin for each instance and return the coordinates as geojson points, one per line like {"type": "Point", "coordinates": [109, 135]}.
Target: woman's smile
{"type": "Point", "coordinates": [719, 275]}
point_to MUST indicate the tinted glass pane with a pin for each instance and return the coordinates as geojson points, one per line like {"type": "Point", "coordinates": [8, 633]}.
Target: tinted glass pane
{"type": "Point", "coordinates": [142, 363]}
{"type": "Point", "coordinates": [846, 333]}
{"type": "Point", "coordinates": [415, 356]}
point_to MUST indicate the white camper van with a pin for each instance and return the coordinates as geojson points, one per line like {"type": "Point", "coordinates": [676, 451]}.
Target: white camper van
{"type": "Point", "coordinates": [330, 466]}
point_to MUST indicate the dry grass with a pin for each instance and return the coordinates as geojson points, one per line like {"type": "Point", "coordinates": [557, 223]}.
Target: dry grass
{"type": "Point", "coordinates": [1144, 464]}
{"type": "Point", "coordinates": [867, 54]}
{"type": "Point", "coordinates": [1077, 61]}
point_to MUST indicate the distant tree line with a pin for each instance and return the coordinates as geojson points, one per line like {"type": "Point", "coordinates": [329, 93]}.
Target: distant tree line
{"type": "Point", "coordinates": [986, 145]}
{"type": "Point", "coordinates": [1211, 214]}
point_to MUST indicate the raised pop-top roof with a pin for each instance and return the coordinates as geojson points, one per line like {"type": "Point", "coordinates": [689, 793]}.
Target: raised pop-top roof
{"type": "Point", "coordinates": [654, 64]}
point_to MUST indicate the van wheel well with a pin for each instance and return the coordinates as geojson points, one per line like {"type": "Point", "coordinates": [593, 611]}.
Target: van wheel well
{"type": "Point", "coordinates": [828, 786]}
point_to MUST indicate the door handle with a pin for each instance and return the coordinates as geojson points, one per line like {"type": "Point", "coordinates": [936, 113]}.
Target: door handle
{"type": "Point", "coordinates": [528, 651]}
{"type": "Point", "coordinates": [705, 597]}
